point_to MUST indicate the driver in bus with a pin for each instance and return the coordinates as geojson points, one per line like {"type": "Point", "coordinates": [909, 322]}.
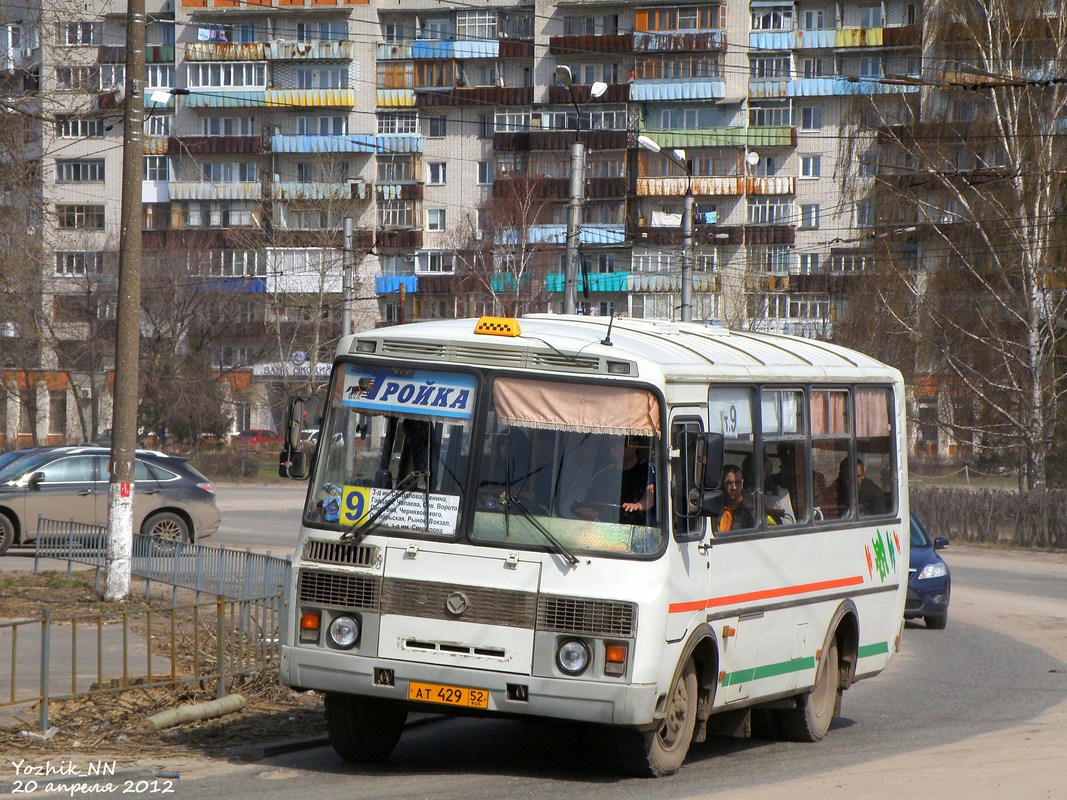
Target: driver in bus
{"type": "Point", "coordinates": [735, 514]}
{"type": "Point", "coordinates": [625, 489]}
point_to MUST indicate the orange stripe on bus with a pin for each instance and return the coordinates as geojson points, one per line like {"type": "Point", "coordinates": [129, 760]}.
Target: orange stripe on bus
{"type": "Point", "coordinates": [765, 594]}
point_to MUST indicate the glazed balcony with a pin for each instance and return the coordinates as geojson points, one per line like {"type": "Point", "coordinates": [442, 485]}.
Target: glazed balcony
{"type": "Point", "coordinates": [740, 136]}
{"type": "Point", "coordinates": [317, 191]}
{"type": "Point", "coordinates": [678, 41]}
{"type": "Point", "coordinates": [409, 239]}
{"type": "Point", "coordinates": [722, 186]}
{"type": "Point", "coordinates": [474, 96]}
{"type": "Point", "coordinates": [399, 191]}
{"type": "Point", "coordinates": [204, 190]}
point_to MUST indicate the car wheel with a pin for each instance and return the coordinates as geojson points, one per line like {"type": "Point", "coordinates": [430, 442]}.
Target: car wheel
{"type": "Point", "coordinates": [937, 623]}
{"type": "Point", "coordinates": [7, 534]}
{"type": "Point", "coordinates": [810, 720]}
{"type": "Point", "coordinates": [653, 754]}
{"type": "Point", "coordinates": [363, 729]}
{"type": "Point", "coordinates": [166, 530]}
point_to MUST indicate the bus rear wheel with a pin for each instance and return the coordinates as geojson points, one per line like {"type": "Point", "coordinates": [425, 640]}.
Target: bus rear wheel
{"type": "Point", "coordinates": [653, 754]}
{"type": "Point", "coordinates": [811, 718]}
{"type": "Point", "coordinates": [363, 729]}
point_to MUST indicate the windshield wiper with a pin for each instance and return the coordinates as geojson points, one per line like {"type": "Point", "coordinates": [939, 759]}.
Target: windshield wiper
{"type": "Point", "coordinates": [358, 532]}
{"type": "Point", "coordinates": [557, 546]}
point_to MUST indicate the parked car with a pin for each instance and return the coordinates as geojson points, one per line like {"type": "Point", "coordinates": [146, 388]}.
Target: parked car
{"type": "Point", "coordinates": [929, 581]}
{"type": "Point", "coordinates": [256, 438]}
{"type": "Point", "coordinates": [172, 500]}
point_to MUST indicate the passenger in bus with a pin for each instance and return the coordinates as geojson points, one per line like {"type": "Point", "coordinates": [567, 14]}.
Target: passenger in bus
{"type": "Point", "coordinates": [735, 514]}
{"type": "Point", "coordinates": [871, 497]}
{"type": "Point", "coordinates": [625, 489]}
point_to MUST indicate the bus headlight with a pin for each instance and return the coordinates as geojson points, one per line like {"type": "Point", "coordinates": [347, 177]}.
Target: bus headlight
{"type": "Point", "coordinates": [573, 656]}
{"type": "Point", "coordinates": [344, 632]}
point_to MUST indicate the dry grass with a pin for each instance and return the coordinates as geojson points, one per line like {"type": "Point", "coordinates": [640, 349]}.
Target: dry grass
{"type": "Point", "coordinates": [109, 719]}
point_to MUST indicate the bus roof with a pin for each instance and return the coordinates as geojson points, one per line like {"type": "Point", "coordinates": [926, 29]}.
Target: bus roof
{"type": "Point", "coordinates": [675, 351]}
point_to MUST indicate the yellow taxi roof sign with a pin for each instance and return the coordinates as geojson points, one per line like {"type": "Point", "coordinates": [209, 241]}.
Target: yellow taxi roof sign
{"type": "Point", "coordinates": [498, 326]}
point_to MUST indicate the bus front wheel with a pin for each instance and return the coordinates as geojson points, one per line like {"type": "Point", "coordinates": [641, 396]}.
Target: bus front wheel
{"type": "Point", "coordinates": [653, 754]}
{"type": "Point", "coordinates": [811, 718]}
{"type": "Point", "coordinates": [363, 729]}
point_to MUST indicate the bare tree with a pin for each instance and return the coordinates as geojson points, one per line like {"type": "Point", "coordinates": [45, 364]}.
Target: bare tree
{"type": "Point", "coordinates": [505, 252]}
{"type": "Point", "coordinates": [965, 209]}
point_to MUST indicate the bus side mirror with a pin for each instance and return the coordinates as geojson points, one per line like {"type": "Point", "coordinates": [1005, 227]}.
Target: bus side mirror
{"type": "Point", "coordinates": [294, 419]}
{"type": "Point", "coordinates": [702, 455]}
{"type": "Point", "coordinates": [292, 463]}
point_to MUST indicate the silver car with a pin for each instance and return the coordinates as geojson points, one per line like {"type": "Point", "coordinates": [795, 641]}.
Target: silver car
{"type": "Point", "coordinates": [172, 500]}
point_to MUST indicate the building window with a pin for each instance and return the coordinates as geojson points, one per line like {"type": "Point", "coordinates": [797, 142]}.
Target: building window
{"type": "Point", "coordinates": [871, 67]}
{"type": "Point", "coordinates": [398, 123]}
{"type": "Point", "coordinates": [864, 214]}
{"type": "Point", "coordinates": [870, 16]}
{"type": "Point", "coordinates": [476, 25]}
{"type": "Point", "coordinates": [809, 263]}
{"type": "Point", "coordinates": [811, 166]}
{"type": "Point", "coordinates": [322, 31]}
{"type": "Point", "coordinates": [434, 262]}
{"type": "Point", "coordinates": [436, 173]}
{"type": "Point", "coordinates": [227, 75]}
{"type": "Point", "coordinates": [79, 262]}
{"type": "Point", "coordinates": [809, 215]}
{"type": "Point", "coordinates": [80, 170]}
{"type": "Point", "coordinates": [229, 172]}
{"type": "Point", "coordinates": [57, 411]}
{"type": "Point", "coordinates": [435, 219]}
{"type": "Point", "coordinates": [436, 127]}
{"type": "Point", "coordinates": [158, 124]}
{"type": "Point", "coordinates": [159, 76]}
{"type": "Point", "coordinates": [80, 217]}
{"type": "Point", "coordinates": [485, 172]}
{"type": "Point", "coordinates": [322, 78]}
{"type": "Point", "coordinates": [228, 126]}
{"type": "Point", "coordinates": [396, 214]}
{"type": "Point", "coordinates": [769, 210]}
{"type": "Point", "coordinates": [79, 128]}
{"type": "Point", "coordinates": [80, 33]}
{"type": "Point", "coordinates": [812, 20]}
{"type": "Point", "coordinates": [811, 118]}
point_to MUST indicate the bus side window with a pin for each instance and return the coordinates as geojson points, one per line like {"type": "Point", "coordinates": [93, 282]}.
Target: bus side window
{"type": "Point", "coordinates": [876, 489]}
{"type": "Point", "coordinates": [685, 527]}
{"type": "Point", "coordinates": [830, 437]}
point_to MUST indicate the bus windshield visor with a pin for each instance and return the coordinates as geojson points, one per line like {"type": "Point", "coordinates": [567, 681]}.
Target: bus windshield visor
{"type": "Point", "coordinates": [574, 461]}
{"type": "Point", "coordinates": [393, 450]}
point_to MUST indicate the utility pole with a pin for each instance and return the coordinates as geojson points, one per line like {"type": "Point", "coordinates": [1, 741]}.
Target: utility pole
{"type": "Point", "coordinates": [574, 224]}
{"type": "Point", "coordinates": [346, 276]}
{"type": "Point", "coordinates": [128, 316]}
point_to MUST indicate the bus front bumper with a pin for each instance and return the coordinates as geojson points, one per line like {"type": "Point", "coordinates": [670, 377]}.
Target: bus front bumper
{"type": "Point", "coordinates": [558, 698]}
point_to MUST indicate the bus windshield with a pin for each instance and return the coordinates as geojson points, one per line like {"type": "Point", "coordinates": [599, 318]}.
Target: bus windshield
{"type": "Point", "coordinates": [563, 466]}
{"type": "Point", "coordinates": [574, 462]}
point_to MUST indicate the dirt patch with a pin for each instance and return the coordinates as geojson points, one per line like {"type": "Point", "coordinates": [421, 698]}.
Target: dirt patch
{"type": "Point", "coordinates": [111, 720]}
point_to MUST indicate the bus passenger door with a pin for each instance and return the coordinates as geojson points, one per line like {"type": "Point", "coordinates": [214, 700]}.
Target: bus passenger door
{"type": "Point", "coordinates": [689, 553]}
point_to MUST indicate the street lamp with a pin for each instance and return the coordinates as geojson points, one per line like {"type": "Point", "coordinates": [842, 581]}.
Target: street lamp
{"type": "Point", "coordinates": [576, 195]}
{"type": "Point", "coordinates": [677, 157]}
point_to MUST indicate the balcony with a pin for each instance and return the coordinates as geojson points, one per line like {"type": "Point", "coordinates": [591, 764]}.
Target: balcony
{"type": "Point", "coordinates": [771, 185]}
{"type": "Point", "coordinates": [399, 191]}
{"type": "Point", "coordinates": [243, 6]}
{"type": "Point", "coordinates": [557, 188]}
{"type": "Point", "coordinates": [204, 145]}
{"type": "Point", "coordinates": [740, 136]}
{"type": "Point", "coordinates": [584, 45]}
{"type": "Point", "coordinates": [662, 236]}
{"type": "Point", "coordinates": [724, 186]}
{"type": "Point", "coordinates": [598, 140]}
{"type": "Point", "coordinates": [311, 190]}
{"type": "Point", "coordinates": [309, 144]}
{"type": "Point", "coordinates": [400, 239]}
{"type": "Point", "coordinates": [666, 90]}
{"type": "Point", "coordinates": [203, 190]}
{"type": "Point", "coordinates": [655, 42]}
{"type": "Point", "coordinates": [475, 96]}
{"type": "Point", "coordinates": [274, 50]}
{"type": "Point", "coordinates": [845, 86]}
{"type": "Point", "coordinates": [616, 93]}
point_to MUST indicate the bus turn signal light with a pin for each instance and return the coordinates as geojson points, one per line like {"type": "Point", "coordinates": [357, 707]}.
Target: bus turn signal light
{"type": "Point", "coordinates": [309, 626]}
{"type": "Point", "coordinates": [614, 659]}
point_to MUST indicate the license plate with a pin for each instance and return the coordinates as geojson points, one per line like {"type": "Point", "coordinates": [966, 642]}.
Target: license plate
{"type": "Point", "coordinates": [448, 695]}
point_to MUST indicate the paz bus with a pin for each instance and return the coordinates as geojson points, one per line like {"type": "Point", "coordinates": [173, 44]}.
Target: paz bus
{"type": "Point", "coordinates": [467, 545]}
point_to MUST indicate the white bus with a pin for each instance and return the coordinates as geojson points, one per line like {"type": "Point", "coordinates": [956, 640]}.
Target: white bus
{"type": "Point", "coordinates": [530, 518]}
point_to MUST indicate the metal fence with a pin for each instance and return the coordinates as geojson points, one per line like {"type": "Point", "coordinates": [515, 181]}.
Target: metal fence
{"type": "Point", "coordinates": [236, 574]}
{"type": "Point", "coordinates": [54, 658]}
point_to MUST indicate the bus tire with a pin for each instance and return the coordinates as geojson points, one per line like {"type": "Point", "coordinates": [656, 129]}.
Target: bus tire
{"type": "Point", "coordinates": [811, 718]}
{"type": "Point", "coordinates": [654, 754]}
{"type": "Point", "coordinates": [363, 729]}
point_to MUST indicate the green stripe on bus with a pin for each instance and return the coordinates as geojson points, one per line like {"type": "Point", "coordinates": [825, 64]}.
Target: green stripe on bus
{"type": "Point", "coordinates": [769, 671]}
{"type": "Point", "coordinates": [876, 649]}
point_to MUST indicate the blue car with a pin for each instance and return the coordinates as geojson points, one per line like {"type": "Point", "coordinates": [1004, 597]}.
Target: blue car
{"type": "Point", "coordinates": [929, 582]}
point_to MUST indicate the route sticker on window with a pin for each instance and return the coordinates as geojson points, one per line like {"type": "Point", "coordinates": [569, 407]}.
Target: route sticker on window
{"type": "Point", "coordinates": [409, 512]}
{"type": "Point", "coordinates": [418, 392]}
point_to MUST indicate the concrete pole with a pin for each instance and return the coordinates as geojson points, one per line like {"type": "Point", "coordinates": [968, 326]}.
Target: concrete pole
{"type": "Point", "coordinates": [128, 317]}
{"type": "Point", "coordinates": [346, 276]}
{"type": "Point", "coordinates": [574, 225]}
{"type": "Point", "coordinates": [687, 253]}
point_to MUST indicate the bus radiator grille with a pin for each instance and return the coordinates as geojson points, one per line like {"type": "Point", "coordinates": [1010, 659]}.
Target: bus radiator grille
{"type": "Point", "coordinates": [580, 615]}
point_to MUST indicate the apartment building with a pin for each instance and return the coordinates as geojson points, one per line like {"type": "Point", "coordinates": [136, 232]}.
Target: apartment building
{"type": "Point", "coordinates": [444, 134]}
